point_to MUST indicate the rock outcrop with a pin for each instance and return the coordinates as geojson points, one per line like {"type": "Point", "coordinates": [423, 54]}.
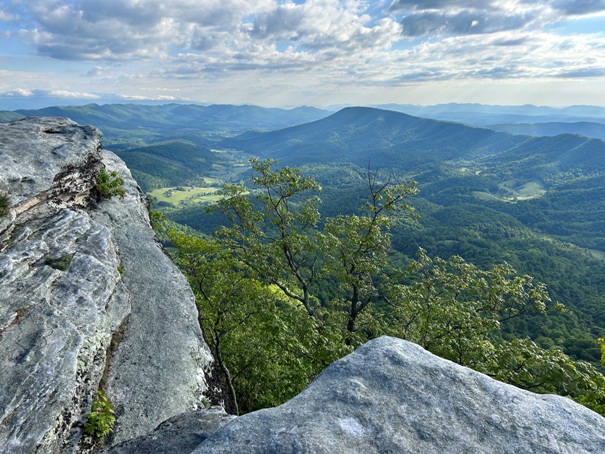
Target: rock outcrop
{"type": "Point", "coordinates": [86, 295]}
{"type": "Point", "coordinates": [391, 396]}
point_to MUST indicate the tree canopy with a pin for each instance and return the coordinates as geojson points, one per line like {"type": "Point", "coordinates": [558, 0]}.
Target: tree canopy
{"type": "Point", "coordinates": [283, 292]}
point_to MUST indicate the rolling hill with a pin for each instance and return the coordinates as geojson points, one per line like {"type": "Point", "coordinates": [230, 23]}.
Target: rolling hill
{"type": "Point", "coordinates": [153, 121]}
{"type": "Point", "coordinates": [356, 134]}
{"type": "Point", "coordinates": [399, 141]}
{"type": "Point", "coordinates": [585, 128]}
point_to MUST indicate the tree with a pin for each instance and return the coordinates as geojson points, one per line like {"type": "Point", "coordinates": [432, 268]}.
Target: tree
{"type": "Point", "coordinates": [277, 234]}
{"type": "Point", "coordinates": [266, 348]}
{"type": "Point", "coordinates": [257, 284]}
{"type": "Point", "coordinates": [357, 248]}
{"type": "Point", "coordinates": [278, 241]}
{"type": "Point", "coordinates": [453, 309]}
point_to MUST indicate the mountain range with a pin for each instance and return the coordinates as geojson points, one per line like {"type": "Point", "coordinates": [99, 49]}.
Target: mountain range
{"type": "Point", "coordinates": [168, 119]}
{"type": "Point", "coordinates": [489, 196]}
{"type": "Point", "coordinates": [395, 140]}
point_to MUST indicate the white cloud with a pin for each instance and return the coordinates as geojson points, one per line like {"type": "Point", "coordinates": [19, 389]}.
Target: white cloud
{"type": "Point", "coordinates": [29, 93]}
{"type": "Point", "coordinates": [5, 17]}
{"type": "Point", "coordinates": [70, 94]}
{"type": "Point", "coordinates": [137, 48]}
{"type": "Point", "coordinates": [576, 7]}
{"type": "Point", "coordinates": [19, 92]}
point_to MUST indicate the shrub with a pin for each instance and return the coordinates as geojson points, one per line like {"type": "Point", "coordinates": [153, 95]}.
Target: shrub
{"type": "Point", "coordinates": [3, 204]}
{"type": "Point", "coordinates": [59, 263]}
{"type": "Point", "coordinates": [109, 184]}
{"type": "Point", "coordinates": [99, 422]}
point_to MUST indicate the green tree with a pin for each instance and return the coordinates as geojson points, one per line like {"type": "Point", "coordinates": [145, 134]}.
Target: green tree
{"type": "Point", "coordinates": [266, 348]}
{"type": "Point", "coordinates": [357, 247]}
{"type": "Point", "coordinates": [277, 241]}
{"type": "Point", "coordinates": [455, 310]}
{"type": "Point", "coordinates": [109, 184]}
{"type": "Point", "coordinates": [521, 362]}
{"type": "Point", "coordinates": [276, 232]}
{"type": "Point", "coordinates": [452, 308]}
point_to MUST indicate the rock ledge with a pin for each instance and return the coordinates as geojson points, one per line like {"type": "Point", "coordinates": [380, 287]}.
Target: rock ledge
{"type": "Point", "coordinates": [72, 275]}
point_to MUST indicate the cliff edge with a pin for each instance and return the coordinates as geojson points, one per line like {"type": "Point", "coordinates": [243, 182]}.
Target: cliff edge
{"type": "Point", "coordinates": [88, 299]}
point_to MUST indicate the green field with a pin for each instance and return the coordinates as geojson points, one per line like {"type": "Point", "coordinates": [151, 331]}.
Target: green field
{"type": "Point", "coordinates": [598, 254]}
{"type": "Point", "coordinates": [183, 195]}
{"type": "Point", "coordinates": [522, 190]}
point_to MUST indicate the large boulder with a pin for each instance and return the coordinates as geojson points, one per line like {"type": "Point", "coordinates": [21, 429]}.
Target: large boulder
{"type": "Point", "coordinates": [392, 396]}
{"type": "Point", "coordinates": [87, 297]}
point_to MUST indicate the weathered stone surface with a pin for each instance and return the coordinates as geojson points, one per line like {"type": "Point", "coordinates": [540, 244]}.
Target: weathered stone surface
{"type": "Point", "coordinates": [158, 368]}
{"type": "Point", "coordinates": [179, 434]}
{"type": "Point", "coordinates": [71, 274]}
{"type": "Point", "coordinates": [391, 396]}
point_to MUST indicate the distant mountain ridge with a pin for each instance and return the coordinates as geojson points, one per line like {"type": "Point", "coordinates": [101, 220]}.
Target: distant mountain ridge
{"type": "Point", "coordinates": [397, 140]}
{"type": "Point", "coordinates": [172, 118]}
{"type": "Point", "coordinates": [482, 115]}
{"type": "Point", "coordinates": [586, 128]}
{"type": "Point", "coordinates": [356, 134]}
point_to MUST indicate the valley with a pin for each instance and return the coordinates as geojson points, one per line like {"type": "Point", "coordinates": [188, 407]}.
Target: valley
{"type": "Point", "coordinates": [491, 197]}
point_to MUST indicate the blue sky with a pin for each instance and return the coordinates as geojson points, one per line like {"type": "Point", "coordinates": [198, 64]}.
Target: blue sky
{"type": "Point", "coordinates": [314, 52]}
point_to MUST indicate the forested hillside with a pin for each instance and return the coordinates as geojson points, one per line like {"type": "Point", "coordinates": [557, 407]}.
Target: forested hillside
{"type": "Point", "coordinates": [488, 197]}
{"type": "Point", "coordinates": [496, 202]}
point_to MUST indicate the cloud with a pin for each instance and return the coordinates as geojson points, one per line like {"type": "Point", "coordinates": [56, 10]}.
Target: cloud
{"type": "Point", "coordinates": [5, 17]}
{"type": "Point", "coordinates": [577, 7]}
{"type": "Point", "coordinates": [28, 93]}
{"type": "Point", "coordinates": [129, 29]}
{"type": "Point", "coordinates": [262, 46]}
{"type": "Point", "coordinates": [19, 93]}
{"type": "Point", "coordinates": [467, 17]}
{"type": "Point", "coordinates": [416, 5]}
{"type": "Point", "coordinates": [466, 22]}
{"type": "Point", "coordinates": [211, 35]}
{"type": "Point", "coordinates": [580, 73]}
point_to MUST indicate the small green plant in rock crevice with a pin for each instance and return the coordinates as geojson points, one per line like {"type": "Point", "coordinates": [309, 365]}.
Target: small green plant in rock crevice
{"type": "Point", "coordinates": [99, 422]}
{"type": "Point", "coordinates": [3, 204]}
{"type": "Point", "coordinates": [109, 184]}
{"type": "Point", "coordinates": [59, 263]}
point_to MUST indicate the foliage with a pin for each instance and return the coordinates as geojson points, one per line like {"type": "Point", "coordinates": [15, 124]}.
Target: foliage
{"type": "Point", "coordinates": [4, 204]}
{"type": "Point", "coordinates": [283, 293]}
{"type": "Point", "coordinates": [521, 362]}
{"type": "Point", "coordinates": [59, 263]}
{"type": "Point", "coordinates": [280, 239]}
{"type": "Point", "coordinates": [451, 308]}
{"type": "Point", "coordinates": [99, 422]}
{"type": "Point", "coordinates": [109, 184]}
{"type": "Point", "coordinates": [277, 241]}
{"type": "Point", "coordinates": [357, 247]}
{"type": "Point", "coordinates": [266, 348]}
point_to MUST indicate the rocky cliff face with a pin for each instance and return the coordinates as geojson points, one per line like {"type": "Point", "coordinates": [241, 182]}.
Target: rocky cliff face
{"type": "Point", "coordinates": [86, 295]}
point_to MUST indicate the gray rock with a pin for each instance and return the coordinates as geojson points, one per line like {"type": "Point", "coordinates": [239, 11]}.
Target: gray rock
{"type": "Point", "coordinates": [391, 396]}
{"type": "Point", "coordinates": [179, 434]}
{"type": "Point", "coordinates": [71, 275]}
{"type": "Point", "coordinates": [159, 367]}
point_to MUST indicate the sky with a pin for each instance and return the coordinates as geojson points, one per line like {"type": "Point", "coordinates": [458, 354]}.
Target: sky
{"type": "Point", "coordinates": [280, 53]}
